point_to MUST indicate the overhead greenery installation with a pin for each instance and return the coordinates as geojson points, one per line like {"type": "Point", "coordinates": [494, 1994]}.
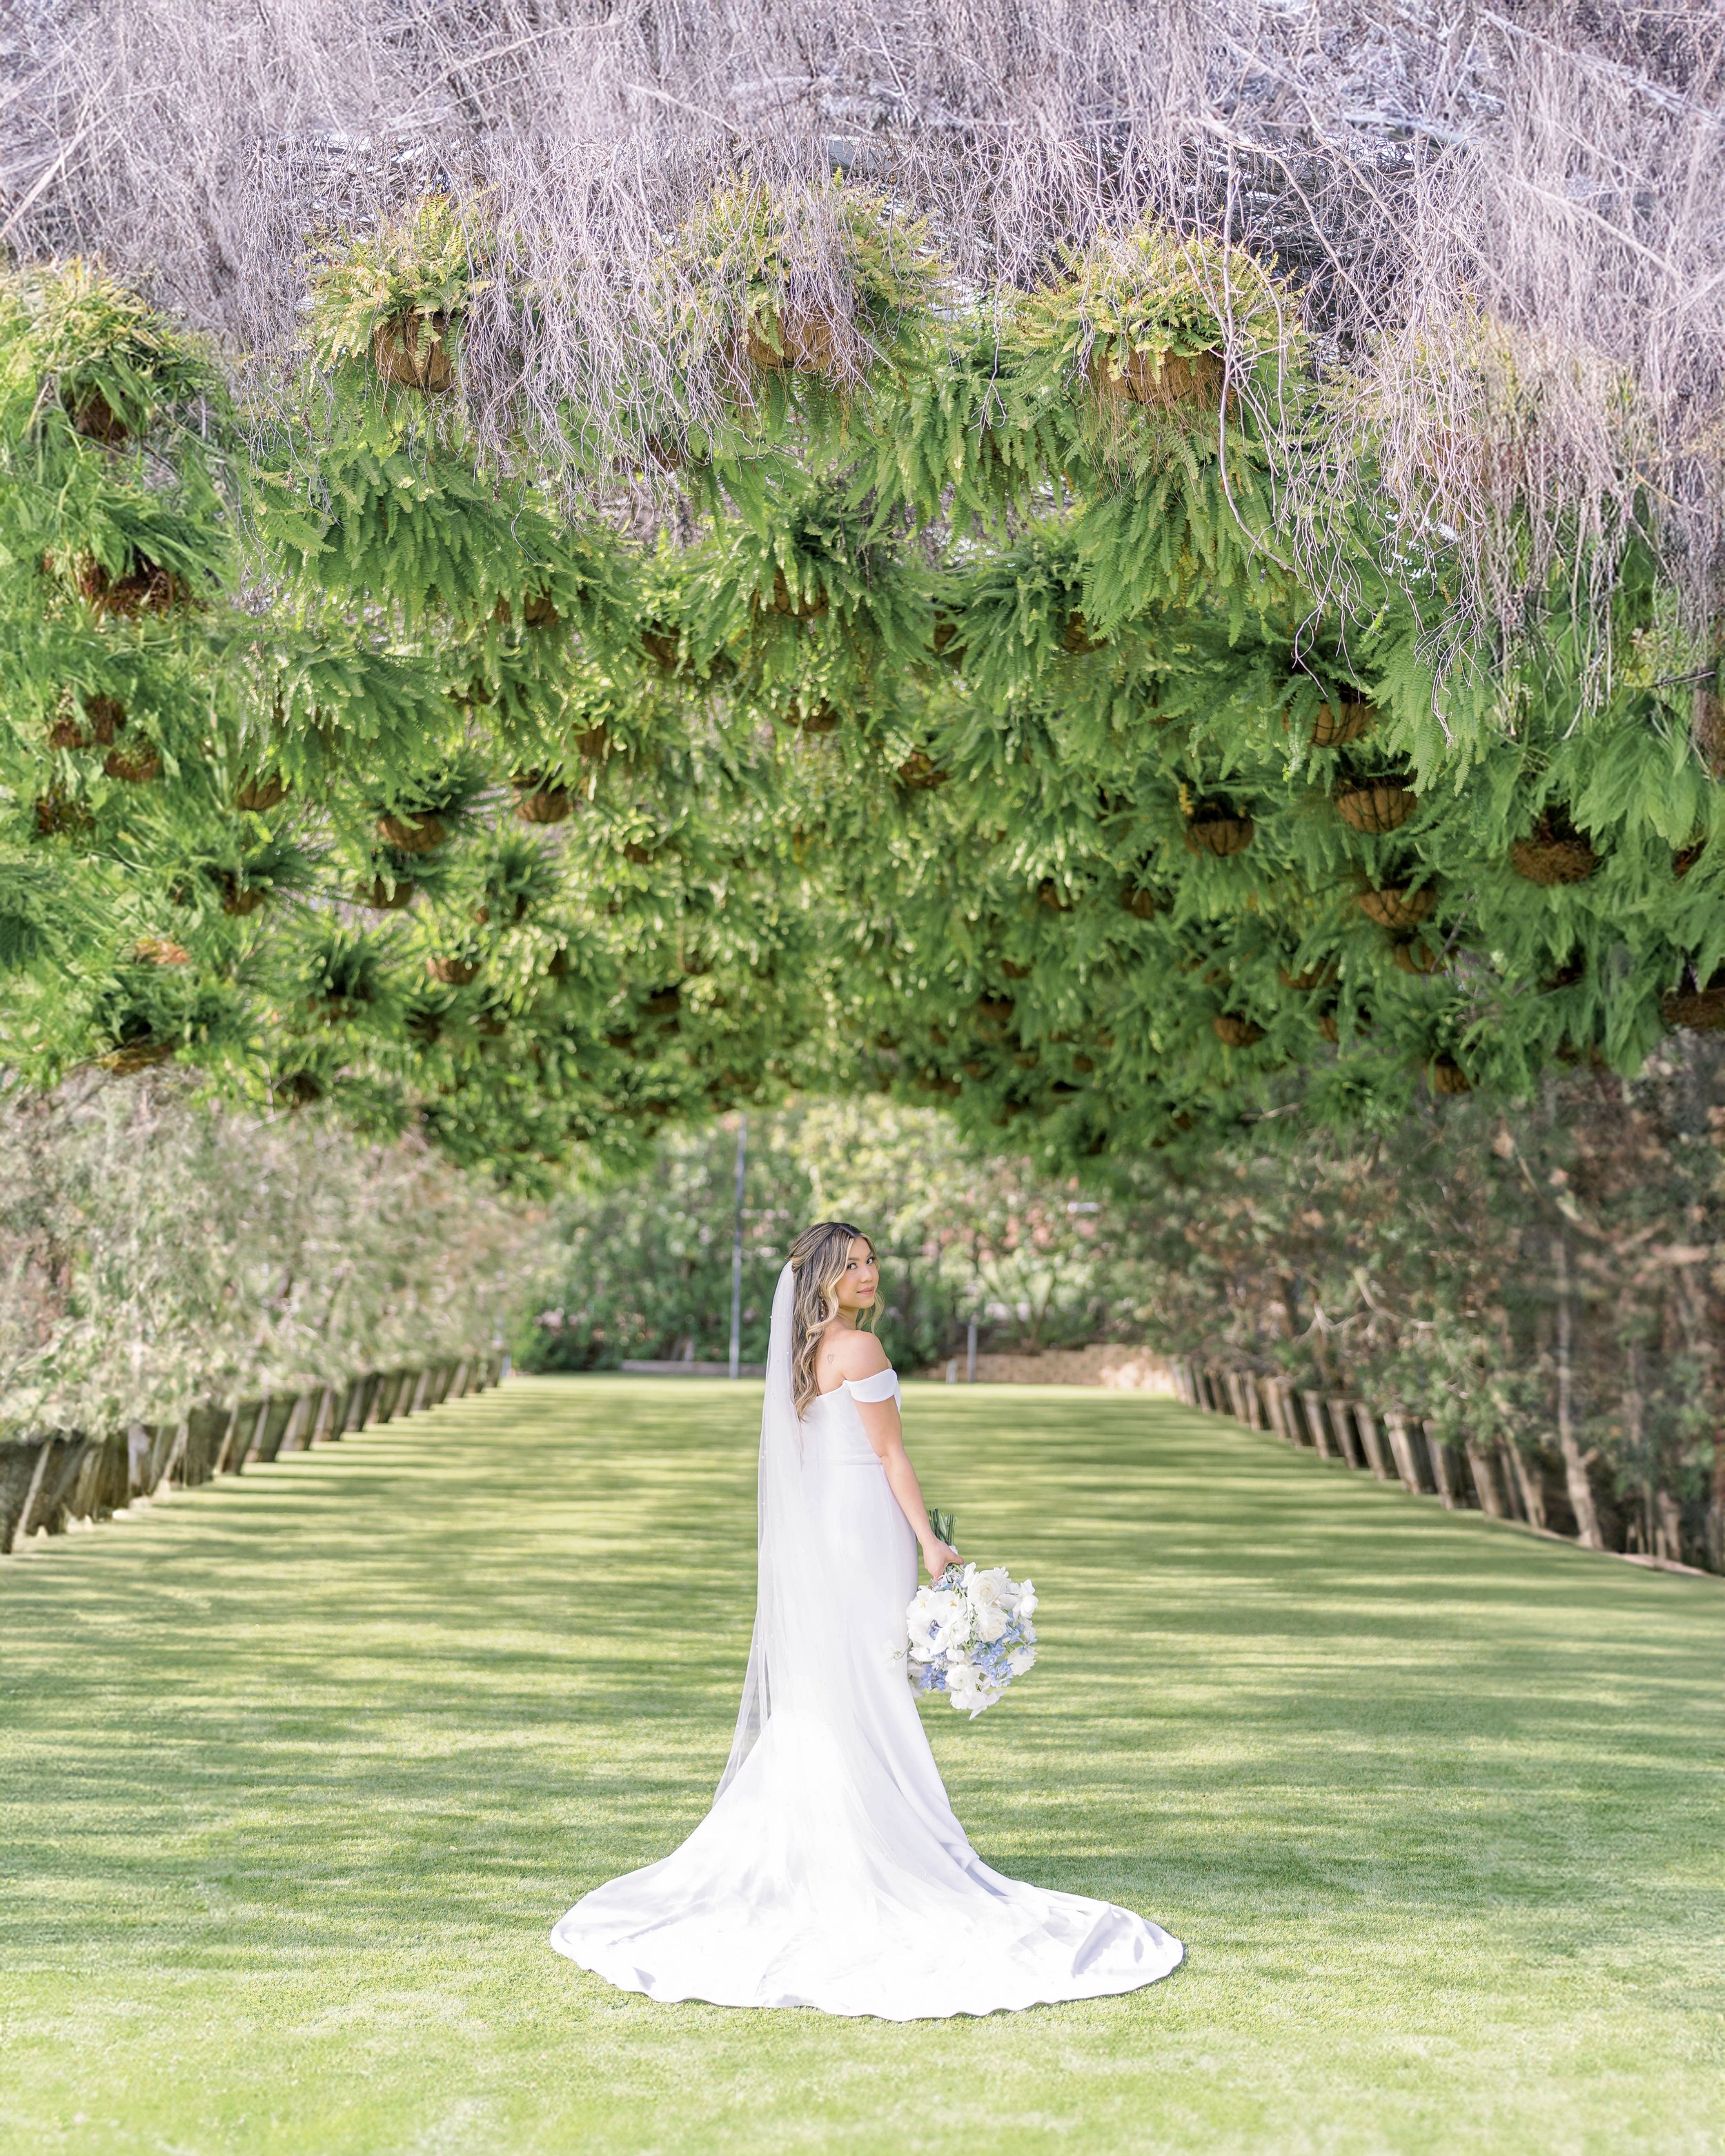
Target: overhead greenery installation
{"type": "Point", "coordinates": [928, 701]}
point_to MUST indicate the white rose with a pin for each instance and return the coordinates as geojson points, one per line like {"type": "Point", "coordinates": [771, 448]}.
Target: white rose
{"type": "Point", "coordinates": [1020, 1660]}
{"type": "Point", "coordinates": [922, 1627]}
{"type": "Point", "coordinates": [950, 1628]}
{"type": "Point", "coordinates": [1027, 1599]}
{"type": "Point", "coordinates": [990, 1610]}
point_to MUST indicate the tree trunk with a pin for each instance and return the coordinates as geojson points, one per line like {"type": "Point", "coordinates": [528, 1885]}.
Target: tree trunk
{"type": "Point", "coordinates": [1485, 1482]}
{"type": "Point", "coordinates": [1528, 1479]}
{"type": "Point", "coordinates": [1634, 1432]}
{"type": "Point", "coordinates": [1515, 1497]}
{"type": "Point", "coordinates": [1581, 1494]}
{"type": "Point", "coordinates": [1373, 1443]}
{"type": "Point", "coordinates": [1401, 1447]}
{"type": "Point", "coordinates": [1346, 1437]}
{"type": "Point", "coordinates": [1437, 1452]}
{"type": "Point", "coordinates": [1716, 1510]}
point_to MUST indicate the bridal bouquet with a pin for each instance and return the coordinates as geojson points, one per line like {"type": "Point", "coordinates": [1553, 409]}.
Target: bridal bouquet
{"type": "Point", "coordinates": [970, 1632]}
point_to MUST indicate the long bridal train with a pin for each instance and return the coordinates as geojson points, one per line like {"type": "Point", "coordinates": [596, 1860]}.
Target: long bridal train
{"type": "Point", "coordinates": [831, 1872]}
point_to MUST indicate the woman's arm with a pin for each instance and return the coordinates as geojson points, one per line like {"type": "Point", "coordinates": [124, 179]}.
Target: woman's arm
{"type": "Point", "coordinates": [858, 1355]}
{"type": "Point", "coordinates": [880, 1420]}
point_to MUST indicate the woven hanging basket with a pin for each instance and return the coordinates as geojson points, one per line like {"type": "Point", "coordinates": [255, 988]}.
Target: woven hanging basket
{"type": "Point", "coordinates": [95, 418]}
{"type": "Point", "coordinates": [1337, 724]}
{"type": "Point", "coordinates": [1413, 957]}
{"type": "Point", "coordinates": [412, 834]}
{"type": "Point", "coordinates": [1328, 1029]}
{"type": "Point", "coordinates": [1448, 1076]}
{"type": "Point", "coordinates": [384, 896]}
{"type": "Point", "coordinates": [238, 898]}
{"type": "Point", "coordinates": [1685, 857]}
{"type": "Point", "coordinates": [1235, 1032]}
{"type": "Point", "coordinates": [545, 804]}
{"type": "Point", "coordinates": [1165, 379]}
{"type": "Point", "coordinates": [805, 606]}
{"type": "Point", "coordinates": [1550, 859]}
{"type": "Point", "coordinates": [411, 350]}
{"type": "Point", "coordinates": [815, 718]}
{"type": "Point", "coordinates": [452, 973]}
{"type": "Point", "coordinates": [1142, 905]}
{"type": "Point", "coordinates": [135, 767]}
{"type": "Point", "coordinates": [809, 342]}
{"type": "Point", "coordinates": [1319, 976]}
{"type": "Point", "coordinates": [146, 588]}
{"type": "Point", "coordinates": [103, 718]}
{"type": "Point", "coordinates": [56, 816]}
{"type": "Point", "coordinates": [1219, 834]}
{"type": "Point", "coordinates": [1397, 908]}
{"type": "Point", "coordinates": [1700, 1010]}
{"type": "Point", "coordinates": [136, 1055]}
{"type": "Point", "coordinates": [663, 646]}
{"type": "Point", "coordinates": [258, 795]}
{"type": "Point", "coordinates": [1075, 639]}
{"type": "Point", "coordinates": [921, 772]}
{"type": "Point", "coordinates": [1376, 809]}
{"type": "Point", "coordinates": [1054, 896]}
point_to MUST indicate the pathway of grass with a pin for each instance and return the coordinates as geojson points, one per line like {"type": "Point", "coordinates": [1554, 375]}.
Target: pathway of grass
{"type": "Point", "coordinates": [299, 1769]}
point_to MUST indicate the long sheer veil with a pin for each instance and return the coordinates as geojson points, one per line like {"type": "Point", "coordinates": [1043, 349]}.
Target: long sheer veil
{"type": "Point", "coordinates": [795, 1627]}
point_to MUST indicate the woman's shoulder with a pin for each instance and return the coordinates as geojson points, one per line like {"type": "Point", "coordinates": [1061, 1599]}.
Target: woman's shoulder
{"type": "Point", "coordinates": [853, 1355]}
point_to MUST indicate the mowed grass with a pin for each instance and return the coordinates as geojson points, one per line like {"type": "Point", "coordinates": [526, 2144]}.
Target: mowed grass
{"type": "Point", "coordinates": [299, 1769]}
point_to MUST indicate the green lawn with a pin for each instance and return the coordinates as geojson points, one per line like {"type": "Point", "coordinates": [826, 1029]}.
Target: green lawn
{"type": "Point", "coordinates": [300, 1768]}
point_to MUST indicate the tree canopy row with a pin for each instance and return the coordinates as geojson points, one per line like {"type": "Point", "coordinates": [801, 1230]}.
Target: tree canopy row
{"type": "Point", "coordinates": [924, 690]}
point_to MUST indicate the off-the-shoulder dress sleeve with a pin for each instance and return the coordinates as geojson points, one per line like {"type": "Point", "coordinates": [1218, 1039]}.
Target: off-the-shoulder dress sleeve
{"type": "Point", "coordinates": [882, 1386]}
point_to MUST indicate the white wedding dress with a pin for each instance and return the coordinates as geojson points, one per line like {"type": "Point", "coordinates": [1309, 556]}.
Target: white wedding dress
{"type": "Point", "coordinates": [831, 1872]}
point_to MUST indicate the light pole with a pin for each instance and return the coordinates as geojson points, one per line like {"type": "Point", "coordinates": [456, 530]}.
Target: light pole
{"type": "Point", "coordinates": [743, 1154]}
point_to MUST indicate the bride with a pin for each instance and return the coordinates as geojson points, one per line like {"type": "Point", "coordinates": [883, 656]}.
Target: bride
{"type": "Point", "coordinates": [831, 1872]}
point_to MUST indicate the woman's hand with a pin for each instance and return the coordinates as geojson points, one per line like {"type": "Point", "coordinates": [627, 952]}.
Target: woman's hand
{"type": "Point", "coordinates": [937, 1556]}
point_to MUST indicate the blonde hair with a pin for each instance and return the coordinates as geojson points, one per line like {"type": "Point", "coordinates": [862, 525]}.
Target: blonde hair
{"type": "Point", "coordinates": [818, 1257]}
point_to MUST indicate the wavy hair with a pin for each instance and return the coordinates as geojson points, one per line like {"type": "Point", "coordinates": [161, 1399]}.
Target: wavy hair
{"type": "Point", "coordinates": [818, 1257]}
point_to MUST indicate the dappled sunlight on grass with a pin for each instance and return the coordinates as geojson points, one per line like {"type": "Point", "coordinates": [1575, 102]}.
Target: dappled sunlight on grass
{"type": "Point", "coordinates": [299, 1769]}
